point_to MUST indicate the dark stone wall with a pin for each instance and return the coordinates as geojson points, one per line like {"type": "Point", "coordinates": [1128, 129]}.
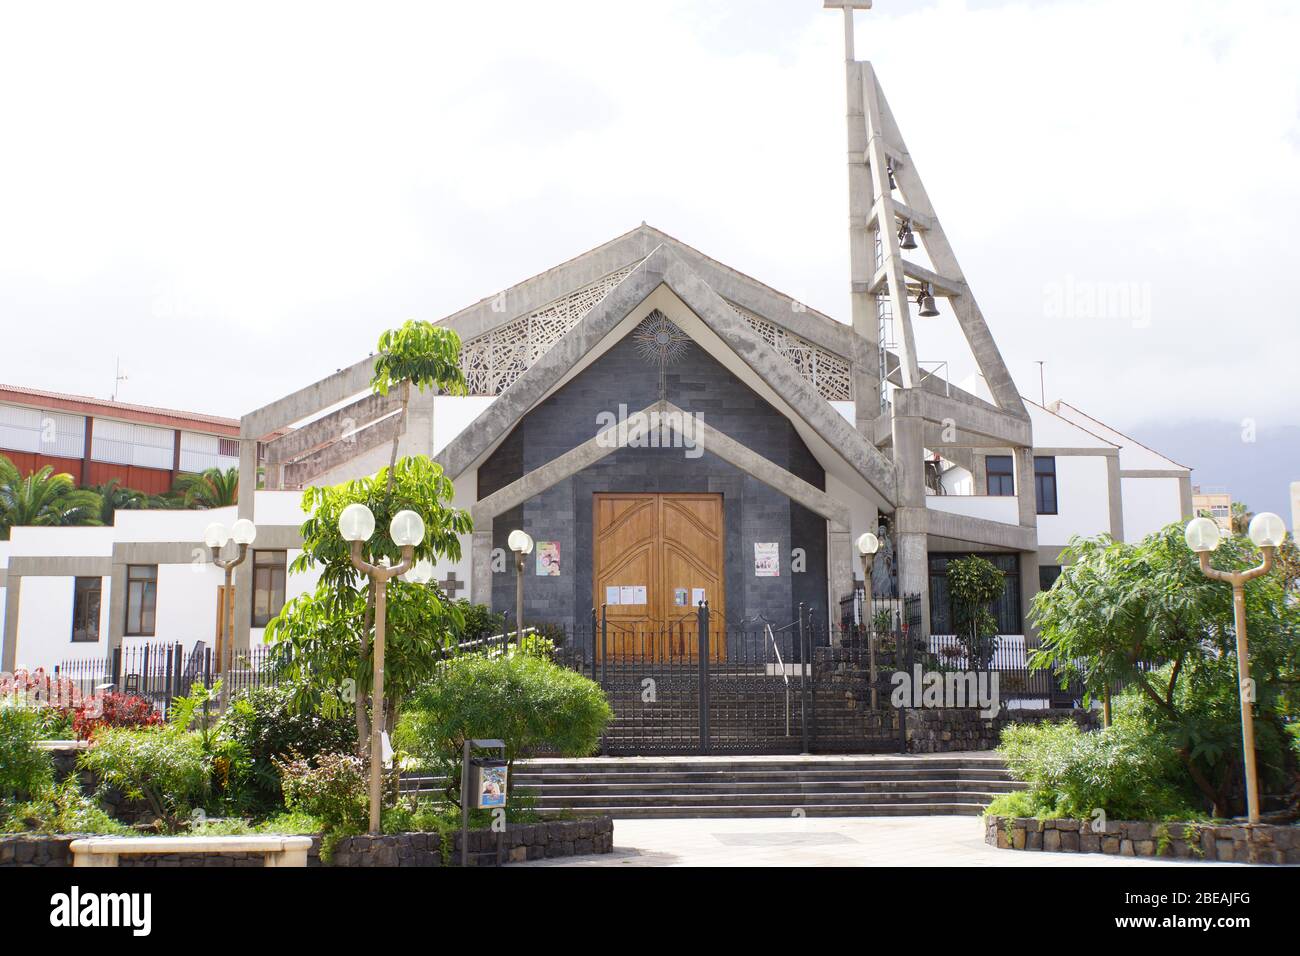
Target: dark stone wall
{"type": "Point", "coordinates": [753, 512]}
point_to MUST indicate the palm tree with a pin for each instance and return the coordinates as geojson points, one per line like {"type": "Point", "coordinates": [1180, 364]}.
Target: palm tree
{"type": "Point", "coordinates": [114, 497]}
{"type": "Point", "coordinates": [43, 499]}
{"type": "Point", "coordinates": [212, 488]}
{"type": "Point", "coordinates": [1241, 515]}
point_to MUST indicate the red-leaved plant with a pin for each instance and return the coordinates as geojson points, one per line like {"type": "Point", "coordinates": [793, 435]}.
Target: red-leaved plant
{"type": "Point", "coordinates": [113, 710]}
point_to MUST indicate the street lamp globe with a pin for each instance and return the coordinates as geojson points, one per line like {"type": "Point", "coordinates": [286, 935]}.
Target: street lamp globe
{"type": "Point", "coordinates": [868, 544]}
{"type": "Point", "coordinates": [1202, 535]}
{"type": "Point", "coordinates": [421, 572]}
{"type": "Point", "coordinates": [243, 531]}
{"type": "Point", "coordinates": [520, 542]}
{"type": "Point", "coordinates": [406, 529]}
{"type": "Point", "coordinates": [216, 535]}
{"type": "Point", "coordinates": [356, 523]}
{"type": "Point", "coordinates": [1267, 530]}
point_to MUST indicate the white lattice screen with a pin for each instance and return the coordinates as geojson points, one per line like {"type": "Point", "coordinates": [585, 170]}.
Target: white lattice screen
{"type": "Point", "coordinates": [825, 371]}
{"type": "Point", "coordinates": [493, 361]}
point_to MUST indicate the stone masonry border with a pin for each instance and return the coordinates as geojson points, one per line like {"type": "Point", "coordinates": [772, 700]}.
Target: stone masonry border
{"type": "Point", "coordinates": [1224, 843]}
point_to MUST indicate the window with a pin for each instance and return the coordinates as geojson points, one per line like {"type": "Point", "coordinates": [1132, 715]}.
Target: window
{"type": "Point", "coordinates": [1001, 477]}
{"type": "Point", "coordinates": [268, 585]}
{"type": "Point", "coordinates": [1047, 575]}
{"type": "Point", "coordinates": [141, 599]}
{"type": "Point", "coordinates": [87, 596]}
{"type": "Point", "coordinates": [1006, 608]}
{"type": "Point", "coordinates": [1045, 485]}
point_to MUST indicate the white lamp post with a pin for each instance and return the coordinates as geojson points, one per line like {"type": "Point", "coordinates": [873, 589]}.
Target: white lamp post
{"type": "Point", "coordinates": [357, 525]}
{"type": "Point", "coordinates": [1267, 532]}
{"type": "Point", "coordinates": [868, 544]}
{"type": "Point", "coordinates": [243, 533]}
{"type": "Point", "coordinates": [521, 543]}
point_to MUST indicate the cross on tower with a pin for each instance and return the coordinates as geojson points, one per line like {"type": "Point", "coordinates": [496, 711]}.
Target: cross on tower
{"type": "Point", "coordinates": [451, 587]}
{"type": "Point", "coordinates": [848, 6]}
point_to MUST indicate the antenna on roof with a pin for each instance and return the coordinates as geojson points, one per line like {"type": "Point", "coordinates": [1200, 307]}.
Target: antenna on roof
{"type": "Point", "coordinates": [1042, 385]}
{"type": "Point", "coordinates": [118, 377]}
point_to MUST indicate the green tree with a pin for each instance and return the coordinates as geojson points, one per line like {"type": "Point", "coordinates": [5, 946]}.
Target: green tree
{"type": "Point", "coordinates": [324, 639]}
{"type": "Point", "coordinates": [418, 355]}
{"type": "Point", "coordinates": [1144, 614]}
{"type": "Point", "coordinates": [211, 488]}
{"type": "Point", "coordinates": [974, 583]}
{"type": "Point", "coordinates": [43, 499]}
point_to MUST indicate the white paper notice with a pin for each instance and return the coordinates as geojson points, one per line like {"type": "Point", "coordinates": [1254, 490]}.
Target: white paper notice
{"type": "Point", "coordinates": [697, 596]}
{"type": "Point", "coordinates": [627, 595]}
{"type": "Point", "coordinates": [640, 594]}
{"type": "Point", "coordinates": [611, 596]}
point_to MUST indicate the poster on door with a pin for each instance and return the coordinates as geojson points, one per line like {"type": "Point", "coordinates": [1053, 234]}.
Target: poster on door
{"type": "Point", "coordinates": [767, 560]}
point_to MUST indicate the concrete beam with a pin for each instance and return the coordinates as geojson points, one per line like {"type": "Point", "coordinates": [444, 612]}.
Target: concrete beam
{"type": "Point", "coordinates": [978, 532]}
{"type": "Point", "coordinates": [308, 401]}
{"type": "Point", "coordinates": [336, 426]}
{"type": "Point", "coordinates": [1003, 427]}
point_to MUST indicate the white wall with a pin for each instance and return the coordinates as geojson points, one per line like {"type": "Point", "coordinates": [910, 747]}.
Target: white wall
{"type": "Point", "coordinates": [1082, 500]}
{"type": "Point", "coordinates": [1002, 508]}
{"type": "Point", "coordinates": [45, 624]}
{"type": "Point", "coordinates": [453, 414]}
{"type": "Point", "coordinates": [1149, 505]}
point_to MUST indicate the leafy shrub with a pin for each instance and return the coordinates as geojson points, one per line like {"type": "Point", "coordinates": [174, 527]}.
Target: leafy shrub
{"type": "Point", "coordinates": [112, 710]}
{"type": "Point", "coordinates": [525, 700]}
{"type": "Point", "coordinates": [1125, 770]}
{"type": "Point", "coordinates": [332, 788]}
{"type": "Point", "coordinates": [167, 767]}
{"type": "Point", "coordinates": [25, 771]}
{"type": "Point", "coordinates": [266, 725]}
{"type": "Point", "coordinates": [62, 809]}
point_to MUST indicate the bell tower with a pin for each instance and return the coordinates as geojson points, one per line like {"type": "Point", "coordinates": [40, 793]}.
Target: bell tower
{"type": "Point", "coordinates": [899, 403]}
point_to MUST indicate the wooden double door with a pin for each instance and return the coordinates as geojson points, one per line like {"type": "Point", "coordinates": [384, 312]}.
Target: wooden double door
{"type": "Point", "coordinates": [656, 557]}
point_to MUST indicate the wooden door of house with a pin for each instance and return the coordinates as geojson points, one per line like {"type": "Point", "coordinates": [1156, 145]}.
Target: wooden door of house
{"type": "Point", "coordinates": [656, 557]}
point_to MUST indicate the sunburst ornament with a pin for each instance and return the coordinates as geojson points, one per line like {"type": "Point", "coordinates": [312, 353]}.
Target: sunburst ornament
{"type": "Point", "coordinates": [662, 343]}
{"type": "Point", "coordinates": [659, 340]}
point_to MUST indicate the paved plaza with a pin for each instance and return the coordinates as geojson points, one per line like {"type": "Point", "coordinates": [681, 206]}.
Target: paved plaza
{"type": "Point", "coordinates": [827, 841]}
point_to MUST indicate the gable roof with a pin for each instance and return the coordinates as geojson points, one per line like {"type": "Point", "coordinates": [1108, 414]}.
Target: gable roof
{"type": "Point", "coordinates": [811, 414]}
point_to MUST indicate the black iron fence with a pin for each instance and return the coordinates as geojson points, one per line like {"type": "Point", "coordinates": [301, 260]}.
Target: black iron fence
{"type": "Point", "coordinates": [161, 672]}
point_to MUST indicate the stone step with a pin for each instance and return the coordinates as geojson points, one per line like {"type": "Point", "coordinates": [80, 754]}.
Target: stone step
{"type": "Point", "coordinates": [769, 810]}
{"type": "Point", "coordinates": [551, 790]}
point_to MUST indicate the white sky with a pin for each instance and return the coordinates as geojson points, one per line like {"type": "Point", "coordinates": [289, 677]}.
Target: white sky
{"type": "Point", "coordinates": [238, 199]}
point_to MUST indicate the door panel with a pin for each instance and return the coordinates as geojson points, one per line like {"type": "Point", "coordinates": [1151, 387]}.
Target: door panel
{"type": "Point", "coordinates": [670, 544]}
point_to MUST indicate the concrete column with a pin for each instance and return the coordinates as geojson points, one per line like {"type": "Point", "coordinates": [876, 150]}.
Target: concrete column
{"type": "Point", "coordinates": [9, 645]}
{"type": "Point", "coordinates": [866, 322]}
{"type": "Point", "coordinates": [480, 571]}
{"type": "Point", "coordinates": [1115, 497]}
{"type": "Point", "coordinates": [1028, 591]}
{"type": "Point", "coordinates": [911, 519]}
{"type": "Point", "coordinates": [840, 564]}
{"type": "Point", "coordinates": [243, 578]}
{"type": "Point", "coordinates": [116, 604]}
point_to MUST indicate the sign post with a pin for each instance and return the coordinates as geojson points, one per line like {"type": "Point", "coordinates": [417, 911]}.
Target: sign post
{"type": "Point", "coordinates": [483, 785]}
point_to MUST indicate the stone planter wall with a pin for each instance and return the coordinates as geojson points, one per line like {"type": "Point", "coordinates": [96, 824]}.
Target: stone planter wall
{"type": "Point", "coordinates": [41, 849]}
{"type": "Point", "coordinates": [555, 838]}
{"type": "Point", "coordinates": [1262, 843]}
{"type": "Point", "coordinates": [951, 730]}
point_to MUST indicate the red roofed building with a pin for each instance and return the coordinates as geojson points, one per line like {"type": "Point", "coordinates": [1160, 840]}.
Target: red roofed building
{"type": "Point", "coordinates": [95, 440]}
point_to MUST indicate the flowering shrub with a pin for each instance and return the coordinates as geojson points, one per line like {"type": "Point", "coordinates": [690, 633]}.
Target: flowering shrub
{"type": "Point", "coordinates": [113, 710]}
{"type": "Point", "coordinates": [333, 790]}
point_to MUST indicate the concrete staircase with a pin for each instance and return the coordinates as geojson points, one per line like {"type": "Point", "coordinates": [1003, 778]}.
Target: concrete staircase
{"type": "Point", "coordinates": [883, 785]}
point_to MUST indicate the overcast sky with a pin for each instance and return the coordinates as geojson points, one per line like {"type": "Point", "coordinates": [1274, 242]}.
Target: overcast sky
{"type": "Point", "coordinates": [238, 201]}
